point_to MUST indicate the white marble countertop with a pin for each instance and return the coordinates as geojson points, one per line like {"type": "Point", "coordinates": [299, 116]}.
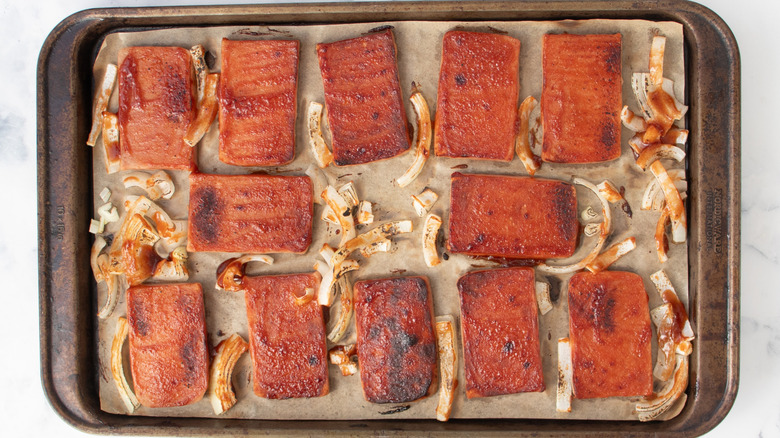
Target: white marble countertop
{"type": "Point", "coordinates": [24, 410]}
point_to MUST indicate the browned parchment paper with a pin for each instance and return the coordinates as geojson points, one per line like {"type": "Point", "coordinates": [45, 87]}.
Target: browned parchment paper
{"type": "Point", "coordinates": [419, 55]}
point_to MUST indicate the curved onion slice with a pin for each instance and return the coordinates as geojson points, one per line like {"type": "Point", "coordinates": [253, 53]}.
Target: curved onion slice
{"type": "Point", "coordinates": [588, 214]}
{"type": "Point", "coordinates": [172, 232]}
{"type": "Point", "coordinates": [307, 297]}
{"type": "Point", "coordinates": [220, 390]}
{"type": "Point", "coordinates": [522, 145]}
{"type": "Point", "coordinates": [673, 201]}
{"type": "Point", "coordinates": [110, 128]}
{"type": "Point", "coordinates": [656, 63]}
{"type": "Point", "coordinates": [424, 201]}
{"type": "Point", "coordinates": [198, 56]}
{"type": "Point", "coordinates": [157, 185]}
{"type": "Point", "coordinates": [543, 297]}
{"type": "Point", "coordinates": [675, 136]}
{"type": "Point", "coordinates": [448, 365]}
{"type": "Point", "coordinates": [112, 294]}
{"type": "Point", "coordinates": [609, 191]}
{"type": "Point", "coordinates": [343, 211]}
{"type": "Point", "coordinates": [606, 227]}
{"type": "Point", "coordinates": [207, 111]}
{"type": "Point", "coordinates": [377, 234]}
{"type": "Point", "coordinates": [326, 252]}
{"type": "Point", "coordinates": [231, 272]}
{"type": "Point", "coordinates": [663, 318]}
{"type": "Point", "coordinates": [611, 255]}
{"type": "Point", "coordinates": [592, 229]}
{"type": "Point", "coordinates": [669, 295]}
{"type": "Point", "coordinates": [565, 376]}
{"type": "Point", "coordinates": [380, 246]}
{"type": "Point", "coordinates": [344, 288]}
{"type": "Point", "coordinates": [653, 197]}
{"type": "Point", "coordinates": [100, 102]}
{"type": "Point", "coordinates": [343, 356]}
{"type": "Point", "coordinates": [174, 268]}
{"type": "Point", "coordinates": [326, 293]}
{"type": "Point", "coordinates": [97, 247]}
{"type": "Point", "coordinates": [637, 145]}
{"type": "Point", "coordinates": [631, 121]}
{"type": "Point", "coordinates": [422, 148]}
{"type": "Point", "coordinates": [349, 193]}
{"type": "Point", "coordinates": [319, 181]}
{"type": "Point", "coordinates": [117, 366]}
{"type": "Point", "coordinates": [322, 154]}
{"type": "Point", "coordinates": [661, 242]}
{"type": "Point", "coordinates": [430, 232]}
{"type": "Point", "coordinates": [651, 409]}
{"type": "Point", "coordinates": [658, 151]}
{"type": "Point", "coordinates": [365, 214]}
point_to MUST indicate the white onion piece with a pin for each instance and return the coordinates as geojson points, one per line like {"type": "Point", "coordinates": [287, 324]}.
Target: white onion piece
{"type": "Point", "coordinates": [377, 234]}
{"type": "Point", "coordinates": [383, 245]}
{"type": "Point", "coordinates": [673, 200]}
{"type": "Point", "coordinates": [448, 365]}
{"type": "Point", "coordinates": [588, 214]}
{"type": "Point", "coordinates": [365, 213]}
{"type": "Point", "coordinates": [349, 193]}
{"type": "Point", "coordinates": [326, 293]}
{"type": "Point", "coordinates": [653, 197]}
{"type": "Point", "coordinates": [430, 232]}
{"type": "Point", "coordinates": [157, 185]}
{"type": "Point", "coordinates": [632, 121]}
{"type": "Point", "coordinates": [565, 389]}
{"type": "Point", "coordinates": [522, 143]}
{"type": "Point", "coordinates": [105, 194]}
{"type": "Point", "coordinates": [656, 64]}
{"type": "Point", "coordinates": [207, 111]}
{"type": "Point", "coordinates": [424, 201]}
{"type": "Point", "coordinates": [319, 148]}
{"type": "Point", "coordinates": [220, 392]}
{"type": "Point", "coordinates": [592, 229]}
{"type": "Point", "coordinates": [344, 288]}
{"type": "Point", "coordinates": [651, 409]}
{"type": "Point", "coordinates": [343, 357]}
{"type": "Point", "coordinates": [611, 255]}
{"type": "Point", "coordinates": [422, 148]}
{"type": "Point", "coordinates": [543, 297]}
{"type": "Point", "coordinates": [343, 211]}
{"type": "Point", "coordinates": [117, 367]}
{"type": "Point", "coordinates": [100, 102]}
{"type": "Point", "coordinates": [198, 56]}
{"type": "Point", "coordinates": [658, 151]}
{"type": "Point", "coordinates": [111, 146]}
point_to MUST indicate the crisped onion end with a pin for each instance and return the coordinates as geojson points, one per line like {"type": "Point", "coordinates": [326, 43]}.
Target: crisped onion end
{"type": "Point", "coordinates": [522, 144]}
{"type": "Point", "coordinates": [611, 255]}
{"type": "Point", "coordinates": [220, 390]}
{"type": "Point", "coordinates": [230, 273]}
{"type": "Point", "coordinates": [343, 212]}
{"type": "Point", "coordinates": [424, 201]}
{"type": "Point", "coordinates": [430, 231]}
{"type": "Point", "coordinates": [448, 365]}
{"type": "Point", "coordinates": [565, 376]}
{"type": "Point", "coordinates": [100, 103]}
{"type": "Point", "coordinates": [117, 367]}
{"type": "Point", "coordinates": [157, 185]}
{"type": "Point", "coordinates": [207, 111]}
{"type": "Point", "coordinates": [322, 154]}
{"type": "Point", "coordinates": [422, 148]}
{"type": "Point", "coordinates": [343, 357]}
{"type": "Point", "coordinates": [377, 234]}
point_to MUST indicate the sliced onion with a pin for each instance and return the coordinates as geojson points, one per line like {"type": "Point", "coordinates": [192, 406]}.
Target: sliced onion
{"type": "Point", "coordinates": [592, 229]}
{"type": "Point", "coordinates": [657, 59]}
{"type": "Point", "coordinates": [430, 232]}
{"type": "Point", "coordinates": [174, 268]}
{"type": "Point", "coordinates": [220, 390]}
{"type": "Point", "coordinates": [652, 135]}
{"type": "Point", "coordinates": [637, 145]}
{"type": "Point", "coordinates": [100, 102]}
{"type": "Point", "coordinates": [383, 245]}
{"type": "Point", "coordinates": [661, 242]}
{"type": "Point", "coordinates": [377, 234]}
{"type": "Point", "coordinates": [96, 227]}
{"type": "Point", "coordinates": [343, 356]}
{"type": "Point", "coordinates": [658, 151]}
{"type": "Point", "coordinates": [198, 54]}
{"type": "Point", "coordinates": [675, 136]}
{"type": "Point", "coordinates": [157, 185]}
{"type": "Point", "coordinates": [611, 255]}
{"type": "Point", "coordinates": [343, 211]}
{"type": "Point", "coordinates": [319, 182]}
{"type": "Point", "coordinates": [174, 233]}
{"type": "Point", "coordinates": [307, 297]}
{"type": "Point", "coordinates": [422, 148]}
{"type": "Point", "coordinates": [588, 214]}
{"type": "Point", "coordinates": [349, 193]}
{"type": "Point", "coordinates": [322, 154]}
{"type": "Point", "coordinates": [232, 271]}
{"type": "Point", "coordinates": [448, 365]}
{"type": "Point", "coordinates": [669, 295]}
{"type": "Point", "coordinates": [543, 301]}
{"type": "Point", "coordinates": [326, 252]}
{"type": "Point", "coordinates": [522, 144]}
{"type": "Point", "coordinates": [365, 213]}
{"type": "Point", "coordinates": [565, 377]}
{"type": "Point", "coordinates": [653, 197]}
{"type": "Point", "coordinates": [117, 367]}
{"type": "Point", "coordinates": [424, 201]}
{"type": "Point", "coordinates": [105, 194]}
{"type": "Point", "coordinates": [344, 288]}
{"type": "Point", "coordinates": [207, 112]}
{"type": "Point", "coordinates": [673, 201]}
{"type": "Point", "coordinates": [663, 318]}
{"type": "Point", "coordinates": [112, 294]}
{"type": "Point", "coordinates": [110, 131]}
{"type": "Point", "coordinates": [631, 121]}
{"type": "Point", "coordinates": [651, 409]}
{"type": "Point", "coordinates": [609, 191]}
{"type": "Point", "coordinates": [327, 293]}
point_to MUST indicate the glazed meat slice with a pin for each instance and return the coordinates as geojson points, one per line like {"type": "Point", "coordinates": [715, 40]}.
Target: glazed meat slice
{"type": "Point", "coordinates": [258, 102]}
{"type": "Point", "coordinates": [254, 214]}
{"type": "Point", "coordinates": [396, 344]}
{"type": "Point", "coordinates": [363, 97]}
{"type": "Point", "coordinates": [609, 327]}
{"type": "Point", "coordinates": [477, 102]}
{"type": "Point", "coordinates": [512, 217]}
{"type": "Point", "coordinates": [286, 339]}
{"type": "Point", "coordinates": [156, 106]}
{"type": "Point", "coordinates": [168, 352]}
{"type": "Point", "coordinates": [500, 332]}
{"type": "Point", "coordinates": [581, 98]}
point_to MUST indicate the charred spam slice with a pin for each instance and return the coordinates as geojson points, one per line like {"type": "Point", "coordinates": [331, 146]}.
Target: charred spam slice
{"type": "Point", "coordinates": [513, 217]}
{"type": "Point", "coordinates": [258, 102]}
{"type": "Point", "coordinates": [253, 214]}
{"type": "Point", "coordinates": [156, 106]}
{"type": "Point", "coordinates": [609, 327]}
{"type": "Point", "coordinates": [500, 332]}
{"type": "Point", "coordinates": [396, 343]}
{"type": "Point", "coordinates": [477, 102]}
{"type": "Point", "coordinates": [168, 352]}
{"type": "Point", "coordinates": [286, 339]}
{"type": "Point", "coordinates": [363, 97]}
{"type": "Point", "coordinates": [581, 98]}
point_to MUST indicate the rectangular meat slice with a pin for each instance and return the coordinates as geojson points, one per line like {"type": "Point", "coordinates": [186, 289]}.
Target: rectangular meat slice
{"type": "Point", "coordinates": [477, 102]}
{"type": "Point", "coordinates": [258, 102]}
{"type": "Point", "coordinates": [156, 106]}
{"type": "Point", "coordinates": [581, 98]}
{"type": "Point", "coordinates": [254, 214]}
{"type": "Point", "coordinates": [169, 355]}
{"type": "Point", "coordinates": [500, 332]}
{"type": "Point", "coordinates": [363, 97]}
{"type": "Point", "coordinates": [609, 327]}
{"type": "Point", "coordinates": [395, 339]}
{"type": "Point", "coordinates": [286, 340]}
{"type": "Point", "coordinates": [512, 217]}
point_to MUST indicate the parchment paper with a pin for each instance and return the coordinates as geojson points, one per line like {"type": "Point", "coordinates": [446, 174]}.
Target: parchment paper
{"type": "Point", "coordinates": [419, 55]}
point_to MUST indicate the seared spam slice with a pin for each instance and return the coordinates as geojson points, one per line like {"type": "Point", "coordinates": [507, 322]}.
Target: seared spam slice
{"type": "Point", "coordinates": [258, 102]}
{"type": "Point", "coordinates": [512, 217]}
{"type": "Point", "coordinates": [478, 91]}
{"type": "Point", "coordinates": [500, 332]}
{"type": "Point", "coordinates": [168, 352]}
{"type": "Point", "coordinates": [286, 339]}
{"type": "Point", "coordinates": [581, 98]}
{"type": "Point", "coordinates": [156, 106]}
{"type": "Point", "coordinates": [609, 327]}
{"type": "Point", "coordinates": [396, 343]}
{"type": "Point", "coordinates": [363, 97]}
{"type": "Point", "coordinates": [254, 214]}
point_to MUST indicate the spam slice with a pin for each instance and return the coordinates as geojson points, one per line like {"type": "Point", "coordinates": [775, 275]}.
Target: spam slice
{"type": "Point", "coordinates": [254, 214]}
{"type": "Point", "coordinates": [396, 343]}
{"type": "Point", "coordinates": [478, 91]}
{"type": "Point", "coordinates": [581, 98]}
{"type": "Point", "coordinates": [258, 102]}
{"type": "Point", "coordinates": [363, 97]}
{"type": "Point", "coordinates": [500, 332]}
{"type": "Point", "coordinates": [168, 352]}
{"type": "Point", "coordinates": [512, 217]}
{"type": "Point", "coordinates": [286, 340]}
{"type": "Point", "coordinates": [156, 106]}
{"type": "Point", "coordinates": [609, 327]}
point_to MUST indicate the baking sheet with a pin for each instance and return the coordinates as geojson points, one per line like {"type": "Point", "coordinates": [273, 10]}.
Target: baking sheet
{"type": "Point", "coordinates": [419, 54]}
